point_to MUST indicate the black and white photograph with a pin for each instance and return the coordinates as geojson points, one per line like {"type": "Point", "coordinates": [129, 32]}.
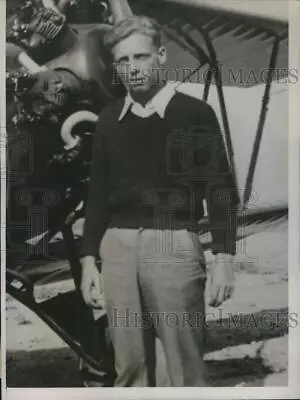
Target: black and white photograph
{"type": "Point", "coordinates": [147, 194]}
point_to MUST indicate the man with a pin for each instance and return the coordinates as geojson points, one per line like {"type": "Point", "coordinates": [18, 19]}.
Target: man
{"type": "Point", "coordinates": [157, 154]}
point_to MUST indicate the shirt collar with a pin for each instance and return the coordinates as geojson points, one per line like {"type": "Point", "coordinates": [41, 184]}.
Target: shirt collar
{"type": "Point", "coordinates": [158, 103]}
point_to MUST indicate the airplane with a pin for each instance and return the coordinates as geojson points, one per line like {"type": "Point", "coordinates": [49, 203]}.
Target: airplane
{"type": "Point", "coordinates": [220, 50]}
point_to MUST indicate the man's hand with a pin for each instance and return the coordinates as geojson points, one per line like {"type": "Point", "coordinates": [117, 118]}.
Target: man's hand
{"type": "Point", "coordinates": [221, 280]}
{"type": "Point", "coordinates": [91, 282]}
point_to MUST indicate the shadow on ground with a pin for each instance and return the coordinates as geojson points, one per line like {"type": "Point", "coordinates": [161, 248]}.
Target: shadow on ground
{"type": "Point", "coordinates": [42, 368]}
{"type": "Point", "coordinates": [59, 368]}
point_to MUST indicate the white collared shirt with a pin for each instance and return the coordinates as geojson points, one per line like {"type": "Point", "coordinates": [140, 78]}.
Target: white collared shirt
{"type": "Point", "coordinates": [157, 104]}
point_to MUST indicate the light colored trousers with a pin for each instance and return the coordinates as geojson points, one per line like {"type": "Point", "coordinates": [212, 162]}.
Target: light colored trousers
{"type": "Point", "coordinates": [154, 283]}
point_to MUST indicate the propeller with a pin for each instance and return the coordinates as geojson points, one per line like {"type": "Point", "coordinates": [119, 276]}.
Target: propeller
{"type": "Point", "coordinates": [120, 10]}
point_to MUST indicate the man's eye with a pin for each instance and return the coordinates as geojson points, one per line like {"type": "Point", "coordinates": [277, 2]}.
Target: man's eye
{"type": "Point", "coordinates": [142, 56]}
{"type": "Point", "coordinates": [122, 61]}
{"type": "Point", "coordinates": [121, 66]}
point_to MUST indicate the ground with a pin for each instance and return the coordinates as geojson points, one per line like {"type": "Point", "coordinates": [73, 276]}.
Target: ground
{"type": "Point", "coordinates": [248, 351]}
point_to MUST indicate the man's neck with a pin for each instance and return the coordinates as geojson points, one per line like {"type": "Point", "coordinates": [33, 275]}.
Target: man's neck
{"type": "Point", "coordinates": [145, 97]}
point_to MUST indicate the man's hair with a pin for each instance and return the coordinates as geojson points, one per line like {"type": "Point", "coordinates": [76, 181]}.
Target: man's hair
{"type": "Point", "coordinates": [135, 24]}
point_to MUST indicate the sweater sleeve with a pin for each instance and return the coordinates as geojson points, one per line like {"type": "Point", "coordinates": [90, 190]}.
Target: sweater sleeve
{"type": "Point", "coordinates": [96, 215]}
{"type": "Point", "coordinates": [221, 191]}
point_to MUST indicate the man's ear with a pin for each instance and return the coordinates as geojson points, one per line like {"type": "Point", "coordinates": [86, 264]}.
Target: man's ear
{"type": "Point", "coordinates": [162, 51]}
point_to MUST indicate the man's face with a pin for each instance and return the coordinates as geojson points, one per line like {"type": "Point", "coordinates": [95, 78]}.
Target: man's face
{"type": "Point", "coordinates": [137, 61]}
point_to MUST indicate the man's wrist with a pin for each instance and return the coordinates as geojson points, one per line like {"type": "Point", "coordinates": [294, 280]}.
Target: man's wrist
{"type": "Point", "coordinates": [88, 259]}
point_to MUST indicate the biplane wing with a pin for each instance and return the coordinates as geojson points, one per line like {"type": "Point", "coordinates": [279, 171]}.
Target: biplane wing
{"type": "Point", "coordinates": [238, 41]}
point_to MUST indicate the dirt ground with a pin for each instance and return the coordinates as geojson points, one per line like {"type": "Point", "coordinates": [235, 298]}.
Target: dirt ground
{"type": "Point", "coordinates": [250, 351]}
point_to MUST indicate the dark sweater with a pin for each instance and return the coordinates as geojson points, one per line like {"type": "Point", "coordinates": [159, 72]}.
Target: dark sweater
{"type": "Point", "coordinates": [154, 173]}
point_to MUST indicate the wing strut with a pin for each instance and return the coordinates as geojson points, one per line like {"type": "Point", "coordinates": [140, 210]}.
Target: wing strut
{"type": "Point", "coordinates": [214, 70]}
{"type": "Point", "coordinates": [261, 123]}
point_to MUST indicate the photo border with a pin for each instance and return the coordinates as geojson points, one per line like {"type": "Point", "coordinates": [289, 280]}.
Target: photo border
{"type": "Point", "coordinates": [290, 391]}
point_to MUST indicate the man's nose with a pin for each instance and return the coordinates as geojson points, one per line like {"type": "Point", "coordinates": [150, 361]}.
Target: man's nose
{"type": "Point", "coordinates": [133, 69]}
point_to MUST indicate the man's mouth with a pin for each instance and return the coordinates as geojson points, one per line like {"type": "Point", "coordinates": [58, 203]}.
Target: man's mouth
{"type": "Point", "coordinates": [136, 82]}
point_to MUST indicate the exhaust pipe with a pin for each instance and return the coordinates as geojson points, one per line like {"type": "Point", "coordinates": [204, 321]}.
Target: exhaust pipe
{"type": "Point", "coordinates": [69, 124]}
{"type": "Point", "coordinates": [17, 54]}
{"type": "Point", "coordinates": [29, 64]}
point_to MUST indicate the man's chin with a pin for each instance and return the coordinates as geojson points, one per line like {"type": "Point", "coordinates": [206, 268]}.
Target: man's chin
{"type": "Point", "coordinates": [139, 88]}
